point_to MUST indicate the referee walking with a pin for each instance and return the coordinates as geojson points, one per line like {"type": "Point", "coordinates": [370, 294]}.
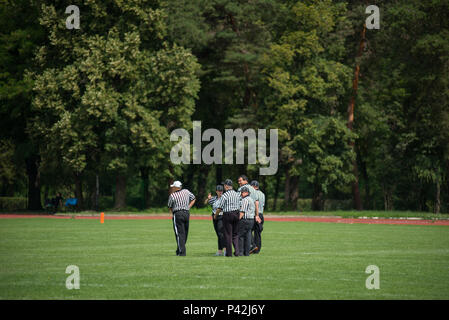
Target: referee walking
{"type": "Point", "coordinates": [229, 203]}
{"type": "Point", "coordinates": [179, 203]}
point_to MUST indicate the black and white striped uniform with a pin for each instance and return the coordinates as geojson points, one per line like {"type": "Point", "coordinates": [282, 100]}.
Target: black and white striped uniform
{"type": "Point", "coordinates": [214, 203]}
{"type": "Point", "coordinates": [218, 223]}
{"type": "Point", "coordinates": [258, 227]}
{"type": "Point", "coordinates": [179, 202]}
{"type": "Point", "coordinates": [246, 225]}
{"type": "Point", "coordinates": [252, 192]}
{"type": "Point", "coordinates": [248, 208]}
{"type": "Point", "coordinates": [229, 203]}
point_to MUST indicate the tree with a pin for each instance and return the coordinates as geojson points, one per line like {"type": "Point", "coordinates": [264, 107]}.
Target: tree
{"type": "Point", "coordinates": [405, 92]}
{"type": "Point", "coordinates": [20, 36]}
{"type": "Point", "coordinates": [307, 80]}
{"type": "Point", "coordinates": [117, 89]}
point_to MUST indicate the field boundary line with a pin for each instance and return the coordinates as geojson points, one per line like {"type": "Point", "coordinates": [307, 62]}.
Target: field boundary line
{"type": "Point", "coordinates": [403, 221]}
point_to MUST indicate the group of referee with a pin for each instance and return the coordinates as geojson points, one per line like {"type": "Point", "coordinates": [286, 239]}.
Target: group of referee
{"type": "Point", "coordinates": [237, 216]}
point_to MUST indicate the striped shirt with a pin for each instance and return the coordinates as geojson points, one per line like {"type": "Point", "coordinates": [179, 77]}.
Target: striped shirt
{"type": "Point", "coordinates": [252, 192]}
{"type": "Point", "coordinates": [214, 203]}
{"type": "Point", "coordinates": [248, 208]}
{"type": "Point", "coordinates": [179, 200]}
{"type": "Point", "coordinates": [261, 197]}
{"type": "Point", "coordinates": [229, 201]}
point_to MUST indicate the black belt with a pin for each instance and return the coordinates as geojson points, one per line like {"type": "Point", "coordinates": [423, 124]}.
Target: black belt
{"type": "Point", "coordinates": [180, 211]}
{"type": "Point", "coordinates": [229, 212]}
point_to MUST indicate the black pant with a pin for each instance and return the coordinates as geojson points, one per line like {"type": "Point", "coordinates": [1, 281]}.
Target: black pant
{"type": "Point", "coordinates": [257, 237]}
{"type": "Point", "coordinates": [181, 228]}
{"type": "Point", "coordinates": [245, 229]}
{"type": "Point", "coordinates": [231, 232]}
{"type": "Point", "coordinates": [218, 227]}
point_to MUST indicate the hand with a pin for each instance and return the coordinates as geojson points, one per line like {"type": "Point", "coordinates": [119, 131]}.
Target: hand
{"type": "Point", "coordinates": [258, 220]}
{"type": "Point", "coordinates": [215, 217]}
{"type": "Point", "coordinates": [209, 196]}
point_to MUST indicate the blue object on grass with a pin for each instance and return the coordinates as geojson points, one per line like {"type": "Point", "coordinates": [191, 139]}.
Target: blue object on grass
{"type": "Point", "coordinates": [71, 202]}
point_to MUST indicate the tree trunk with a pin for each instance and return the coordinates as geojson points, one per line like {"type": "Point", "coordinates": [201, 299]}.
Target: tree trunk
{"type": "Point", "coordinates": [355, 189]}
{"type": "Point", "coordinates": [145, 184]}
{"type": "Point", "coordinates": [367, 200]}
{"type": "Point", "coordinates": [317, 199]}
{"type": "Point", "coordinates": [294, 192]}
{"type": "Point", "coordinates": [79, 191]}
{"type": "Point", "coordinates": [218, 173]}
{"type": "Point", "coordinates": [276, 191]}
{"type": "Point", "coordinates": [120, 191]}
{"type": "Point", "coordinates": [45, 192]}
{"type": "Point", "coordinates": [189, 178]}
{"type": "Point", "coordinates": [34, 188]}
{"type": "Point", "coordinates": [201, 185]}
{"type": "Point", "coordinates": [97, 191]}
{"type": "Point", "coordinates": [355, 185]}
{"type": "Point", "coordinates": [286, 205]}
{"type": "Point", "coordinates": [437, 197]}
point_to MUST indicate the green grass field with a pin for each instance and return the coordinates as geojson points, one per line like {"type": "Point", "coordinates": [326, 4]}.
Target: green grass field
{"type": "Point", "coordinates": [135, 259]}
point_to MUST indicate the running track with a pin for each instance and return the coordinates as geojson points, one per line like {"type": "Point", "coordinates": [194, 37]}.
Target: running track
{"type": "Point", "coordinates": [267, 218]}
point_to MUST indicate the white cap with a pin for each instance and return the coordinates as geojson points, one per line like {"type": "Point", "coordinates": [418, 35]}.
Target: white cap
{"type": "Point", "coordinates": [176, 184]}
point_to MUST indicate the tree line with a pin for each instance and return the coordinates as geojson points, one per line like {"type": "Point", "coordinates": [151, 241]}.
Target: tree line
{"type": "Point", "coordinates": [362, 114]}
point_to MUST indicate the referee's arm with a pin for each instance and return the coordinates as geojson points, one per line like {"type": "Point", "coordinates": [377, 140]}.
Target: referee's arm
{"type": "Point", "coordinates": [170, 204]}
{"type": "Point", "coordinates": [219, 209]}
{"type": "Point", "coordinates": [256, 204]}
{"type": "Point", "coordinates": [216, 213]}
{"type": "Point", "coordinates": [192, 200]}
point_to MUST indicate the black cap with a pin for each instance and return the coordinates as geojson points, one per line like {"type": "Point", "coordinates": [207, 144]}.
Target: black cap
{"type": "Point", "coordinates": [228, 182]}
{"type": "Point", "coordinates": [219, 187]}
{"type": "Point", "coordinates": [255, 183]}
{"type": "Point", "coordinates": [244, 189]}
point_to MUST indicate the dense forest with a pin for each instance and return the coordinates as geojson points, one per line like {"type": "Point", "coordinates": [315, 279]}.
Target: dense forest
{"type": "Point", "coordinates": [360, 101]}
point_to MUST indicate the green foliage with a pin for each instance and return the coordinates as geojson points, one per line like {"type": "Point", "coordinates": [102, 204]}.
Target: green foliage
{"type": "Point", "coordinates": [102, 100]}
{"type": "Point", "coordinates": [308, 81]}
{"type": "Point", "coordinates": [9, 204]}
{"type": "Point", "coordinates": [115, 90]}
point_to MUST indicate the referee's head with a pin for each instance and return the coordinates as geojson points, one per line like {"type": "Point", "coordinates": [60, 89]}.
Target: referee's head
{"type": "Point", "coordinates": [242, 180]}
{"type": "Point", "coordinates": [219, 189]}
{"type": "Point", "coordinates": [227, 184]}
{"type": "Point", "coordinates": [244, 192]}
{"type": "Point", "coordinates": [255, 184]}
{"type": "Point", "coordinates": [177, 185]}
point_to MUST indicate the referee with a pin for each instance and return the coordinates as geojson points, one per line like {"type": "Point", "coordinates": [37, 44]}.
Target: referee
{"type": "Point", "coordinates": [256, 244]}
{"type": "Point", "coordinates": [243, 182]}
{"type": "Point", "coordinates": [229, 203]}
{"type": "Point", "coordinates": [179, 203]}
{"type": "Point", "coordinates": [218, 223]}
{"type": "Point", "coordinates": [246, 221]}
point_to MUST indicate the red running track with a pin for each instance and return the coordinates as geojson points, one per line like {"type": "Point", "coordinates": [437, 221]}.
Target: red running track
{"type": "Point", "coordinates": [267, 218]}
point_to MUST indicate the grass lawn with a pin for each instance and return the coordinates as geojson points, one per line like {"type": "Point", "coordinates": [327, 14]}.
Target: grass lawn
{"type": "Point", "coordinates": [135, 259]}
